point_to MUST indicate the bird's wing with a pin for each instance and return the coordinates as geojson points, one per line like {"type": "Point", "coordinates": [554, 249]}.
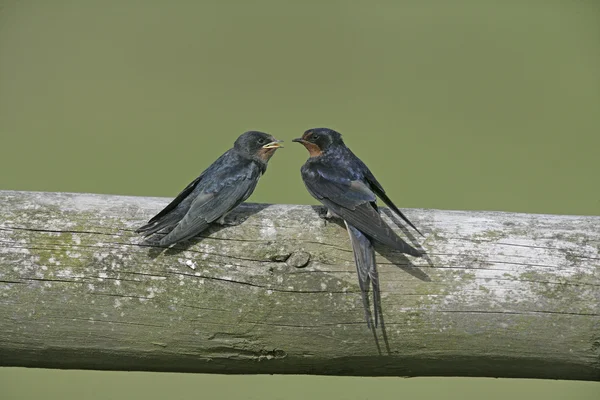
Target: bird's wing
{"type": "Point", "coordinates": [376, 187]}
{"type": "Point", "coordinates": [378, 190]}
{"type": "Point", "coordinates": [172, 213]}
{"type": "Point", "coordinates": [167, 217]}
{"type": "Point", "coordinates": [219, 196]}
{"type": "Point", "coordinates": [364, 257]}
{"type": "Point", "coordinates": [352, 200]}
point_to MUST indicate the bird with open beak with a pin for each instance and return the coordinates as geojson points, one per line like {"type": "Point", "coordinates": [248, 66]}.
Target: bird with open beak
{"type": "Point", "coordinates": [225, 184]}
{"type": "Point", "coordinates": [345, 185]}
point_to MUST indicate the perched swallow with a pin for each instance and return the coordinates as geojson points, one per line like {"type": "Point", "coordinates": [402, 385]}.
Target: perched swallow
{"type": "Point", "coordinates": [228, 181]}
{"type": "Point", "coordinates": [345, 185]}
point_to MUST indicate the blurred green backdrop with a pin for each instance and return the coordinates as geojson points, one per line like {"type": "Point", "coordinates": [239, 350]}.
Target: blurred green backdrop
{"type": "Point", "coordinates": [453, 104]}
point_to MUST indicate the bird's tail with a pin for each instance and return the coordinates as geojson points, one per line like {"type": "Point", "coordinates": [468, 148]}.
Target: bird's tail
{"type": "Point", "coordinates": [364, 257]}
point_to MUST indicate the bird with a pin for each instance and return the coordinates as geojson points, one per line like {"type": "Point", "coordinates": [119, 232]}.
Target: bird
{"type": "Point", "coordinates": [337, 178]}
{"type": "Point", "coordinates": [225, 184]}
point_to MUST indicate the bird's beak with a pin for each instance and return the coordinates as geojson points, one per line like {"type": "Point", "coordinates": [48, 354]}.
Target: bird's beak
{"type": "Point", "coordinates": [273, 145]}
{"type": "Point", "coordinates": [298, 140]}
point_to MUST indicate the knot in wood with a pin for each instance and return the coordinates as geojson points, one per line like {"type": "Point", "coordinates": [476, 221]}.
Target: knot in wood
{"type": "Point", "coordinates": [298, 259]}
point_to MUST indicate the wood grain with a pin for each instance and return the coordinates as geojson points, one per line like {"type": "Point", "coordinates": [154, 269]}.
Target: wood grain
{"type": "Point", "coordinates": [275, 291]}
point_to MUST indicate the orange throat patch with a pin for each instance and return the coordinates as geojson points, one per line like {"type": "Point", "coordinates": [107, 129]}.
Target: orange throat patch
{"type": "Point", "coordinates": [313, 149]}
{"type": "Point", "coordinates": [266, 154]}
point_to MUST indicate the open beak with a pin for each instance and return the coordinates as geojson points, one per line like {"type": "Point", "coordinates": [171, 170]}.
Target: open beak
{"type": "Point", "coordinates": [273, 145]}
{"type": "Point", "coordinates": [298, 140]}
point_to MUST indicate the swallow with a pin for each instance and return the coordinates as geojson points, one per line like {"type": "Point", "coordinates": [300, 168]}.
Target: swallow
{"type": "Point", "coordinates": [345, 185]}
{"type": "Point", "coordinates": [225, 184]}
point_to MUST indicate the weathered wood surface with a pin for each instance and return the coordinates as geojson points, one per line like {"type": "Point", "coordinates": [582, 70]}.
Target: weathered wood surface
{"type": "Point", "coordinates": [501, 294]}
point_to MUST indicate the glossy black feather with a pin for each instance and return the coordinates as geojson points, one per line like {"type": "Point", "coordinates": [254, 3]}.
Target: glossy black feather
{"type": "Point", "coordinates": [225, 184]}
{"type": "Point", "coordinates": [169, 215]}
{"type": "Point", "coordinates": [378, 190]}
{"type": "Point", "coordinates": [211, 203]}
{"type": "Point", "coordinates": [344, 184]}
{"type": "Point", "coordinates": [366, 268]}
{"type": "Point", "coordinates": [345, 193]}
{"type": "Point", "coordinates": [376, 187]}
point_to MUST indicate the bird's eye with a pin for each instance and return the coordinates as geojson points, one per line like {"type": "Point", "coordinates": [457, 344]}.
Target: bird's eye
{"type": "Point", "coordinates": [262, 141]}
{"type": "Point", "coordinates": [314, 137]}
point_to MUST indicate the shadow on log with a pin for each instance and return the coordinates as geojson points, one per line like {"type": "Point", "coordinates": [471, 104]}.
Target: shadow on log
{"type": "Point", "coordinates": [502, 294]}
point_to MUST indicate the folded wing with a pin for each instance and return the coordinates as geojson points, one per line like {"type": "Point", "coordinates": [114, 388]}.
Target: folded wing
{"type": "Point", "coordinates": [208, 206]}
{"type": "Point", "coordinates": [354, 201]}
{"type": "Point", "coordinates": [170, 215]}
{"type": "Point", "coordinates": [378, 190]}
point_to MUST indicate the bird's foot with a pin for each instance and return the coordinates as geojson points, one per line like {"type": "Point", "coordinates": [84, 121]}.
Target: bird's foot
{"type": "Point", "coordinates": [328, 215]}
{"type": "Point", "coordinates": [230, 220]}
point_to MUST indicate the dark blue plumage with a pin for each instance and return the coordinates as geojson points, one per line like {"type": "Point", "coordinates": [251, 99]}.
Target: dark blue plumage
{"type": "Point", "coordinates": [345, 185]}
{"type": "Point", "coordinates": [225, 184]}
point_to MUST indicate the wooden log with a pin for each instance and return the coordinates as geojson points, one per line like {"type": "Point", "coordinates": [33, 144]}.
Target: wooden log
{"type": "Point", "coordinates": [499, 295]}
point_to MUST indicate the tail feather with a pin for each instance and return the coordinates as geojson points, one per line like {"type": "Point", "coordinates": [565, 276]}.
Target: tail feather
{"type": "Point", "coordinates": [374, 276]}
{"type": "Point", "coordinates": [167, 222]}
{"type": "Point", "coordinates": [367, 218]}
{"type": "Point", "coordinates": [366, 268]}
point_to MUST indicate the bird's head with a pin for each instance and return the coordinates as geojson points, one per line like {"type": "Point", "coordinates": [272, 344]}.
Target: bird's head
{"type": "Point", "coordinates": [257, 144]}
{"type": "Point", "coordinates": [319, 140]}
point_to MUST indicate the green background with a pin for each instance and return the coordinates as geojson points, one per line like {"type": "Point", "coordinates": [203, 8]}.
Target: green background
{"type": "Point", "coordinates": [476, 105]}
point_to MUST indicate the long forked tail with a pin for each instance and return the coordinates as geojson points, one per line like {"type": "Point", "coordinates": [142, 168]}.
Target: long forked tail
{"type": "Point", "coordinates": [364, 257]}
